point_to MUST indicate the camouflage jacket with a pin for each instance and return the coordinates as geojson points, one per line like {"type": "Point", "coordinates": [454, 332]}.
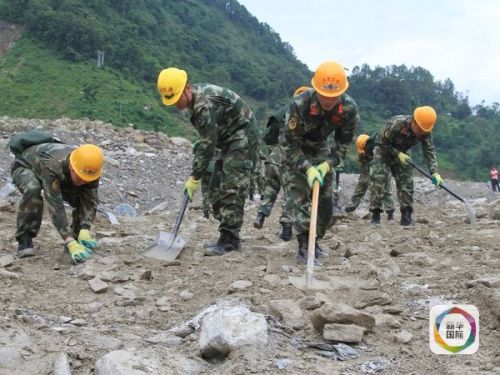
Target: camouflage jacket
{"type": "Point", "coordinates": [308, 127]}
{"type": "Point", "coordinates": [224, 121]}
{"type": "Point", "coordinates": [396, 136]}
{"type": "Point", "coordinates": [50, 163]}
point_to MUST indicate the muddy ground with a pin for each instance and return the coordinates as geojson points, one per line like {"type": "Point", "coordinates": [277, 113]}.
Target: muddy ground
{"type": "Point", "coordinates": [396, 274]}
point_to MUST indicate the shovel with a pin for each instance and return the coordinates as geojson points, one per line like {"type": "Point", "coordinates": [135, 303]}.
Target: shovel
{"type": "Point", "coordinates": [169, 245]}
{"type": "Point", "coordinates": [468, 207]}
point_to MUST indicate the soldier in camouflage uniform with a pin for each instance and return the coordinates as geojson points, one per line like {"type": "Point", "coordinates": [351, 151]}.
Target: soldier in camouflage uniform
{"type": "Point", "coordinates": [312, 117]}
{"type": "Point", "coordinates": [224, 121]}
{"type": "Point", "coordinates": [276, 176]}
{"type": "Point", "coordinates": [65, 174]}
{"type": "Point", "coordinates": [390, 157]}
{"type": "Point", "coordinates": [365, 145]}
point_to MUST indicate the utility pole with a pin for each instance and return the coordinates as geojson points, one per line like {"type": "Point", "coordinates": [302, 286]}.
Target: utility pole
{"type": "Point", "coordinates": [100, 58]}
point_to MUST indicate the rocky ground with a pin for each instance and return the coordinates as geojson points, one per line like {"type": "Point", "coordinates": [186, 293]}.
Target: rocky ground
{"type": "Point", "coordinates": [245, 312]}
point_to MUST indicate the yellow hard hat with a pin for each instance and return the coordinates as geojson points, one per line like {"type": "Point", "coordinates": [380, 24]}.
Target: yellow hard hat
{"type": "Point", "coordinates": [425, 117]}
{"type": "Point", "coordinates": [171, 83]}
{"type": "Point", "coordinates": [86, 161]}
{"type": "Point", "coordinates": [300, 90]}
{"type": "Point", "coordinates": [330, 79]}
{"type": "Point", "coordinates": [361, 142]}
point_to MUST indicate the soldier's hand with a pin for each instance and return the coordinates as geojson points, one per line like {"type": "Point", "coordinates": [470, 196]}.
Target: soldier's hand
{"type": "Point", "coordinates": [436, 179]}
{"type": "Point", "coordinates": [323, 168]}
{"type": "Point", "coordinates": [191, 186]}
{"type": "Point", "coordinates": [404, 158]}
{"type": "Point", "coordinates": [312, 175]}
{"type": "Point", "coordinates": [78, 252]}
{"type": "Point", "coordinates": [85, 239]}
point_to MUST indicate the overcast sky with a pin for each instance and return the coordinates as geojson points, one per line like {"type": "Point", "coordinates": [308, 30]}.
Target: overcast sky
{"type": "Point", "coordinates": [456, 39]}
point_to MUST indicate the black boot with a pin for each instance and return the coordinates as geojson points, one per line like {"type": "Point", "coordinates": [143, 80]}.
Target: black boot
{"type": "Point", "coordinates": [406, 219]}
{"type": "Point", "coordinates": [259, 220]}
{"type": "Point", "coordinates": [376, 216]}
{"type": "Point", "coordinates": [286, 231]}
{"type": "Point", "coordinates": [390, 215]}
{"type": "Point", "coordinates": [227, 242]}
{"type": "Point", "coordinates": [251, 192]}
{"type": "Point", "coordinates": [318, 251]}
{"type": "Point", "coordinates": [302, 253]}
{"type": "Point", "coordinates": [25, 248]}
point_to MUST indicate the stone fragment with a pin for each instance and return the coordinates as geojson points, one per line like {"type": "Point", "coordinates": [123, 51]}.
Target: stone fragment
{"type": "Point", "coordinates": [288, 312]}
{"type": "Point", "coordinates": [349, 333]}
{"type": "Point", "coordinates": [343, 314]}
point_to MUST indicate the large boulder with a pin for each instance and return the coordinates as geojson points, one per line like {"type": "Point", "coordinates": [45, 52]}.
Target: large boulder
{"type": "Point", "coordinates": [228, 328]}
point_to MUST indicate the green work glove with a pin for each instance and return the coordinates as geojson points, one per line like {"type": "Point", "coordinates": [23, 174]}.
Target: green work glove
{"type": "Point", "coordinates": [314, 174]}
{"type": "Point", "coordinates": [323, 168]}
{"type": "Point", "coordinates": [191, 186]}
{"type": "Point", "coordinates": [85, 239]}
{"type": "Point", "coordinates": [403, 158]}
{"type": "Point", "coordinates": [436, 179]}
{"type": "Point", "coordinates": [78, 252]}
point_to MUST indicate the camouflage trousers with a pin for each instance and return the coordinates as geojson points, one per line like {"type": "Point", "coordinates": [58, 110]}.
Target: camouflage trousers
{"type": "Point", "coordinates": [381, 169]}
{"type": "Point", "coordinates": [258, 178]}
{"type": "Point", "coordinates": [30, 209]}
{"type": "Point", "coordinates": [228, 189]}
{"type": "Point", "coordinates": [300, 195]}
{"type": "Point", "coordinates": [364, 183]}
{"type": "Point", "coordinates": [277, 177]}
{"type": "Point", "coordinates": [205, 193]}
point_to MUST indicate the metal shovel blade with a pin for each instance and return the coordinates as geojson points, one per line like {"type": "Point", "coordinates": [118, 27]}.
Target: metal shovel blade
{"type": "Point", "coordinates": [164, 248]}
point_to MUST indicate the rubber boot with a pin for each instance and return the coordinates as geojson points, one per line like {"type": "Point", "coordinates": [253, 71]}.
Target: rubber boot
{"type": "Point", "coordinates": [376, 216]}
{"type": "Point", "coordinates": [390, 215]}
{"type": "Point", "coordinates": [227, 242]}
{"type": "Point", "coordinates": [406, 219]}
{"type": "Point", "coordinates": [286, 231]}
{"type": "Point", "coordinates": [302, 253]}
{"type": "Point", "coordinates": [25, 248]}
{"type": "Point", "coordinates": [259, 220]}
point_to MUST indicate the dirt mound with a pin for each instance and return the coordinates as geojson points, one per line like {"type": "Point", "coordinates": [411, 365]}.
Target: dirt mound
{"type": "Point", "coordinates": [392, 273]}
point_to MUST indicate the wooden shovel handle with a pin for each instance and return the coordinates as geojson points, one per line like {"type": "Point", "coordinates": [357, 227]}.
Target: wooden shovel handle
{"type": "Point", "coordinates": [311, 243]}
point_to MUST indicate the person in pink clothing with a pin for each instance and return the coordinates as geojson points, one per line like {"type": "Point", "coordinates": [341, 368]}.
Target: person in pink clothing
{"type": "Point", "coordinates": [494, 179]}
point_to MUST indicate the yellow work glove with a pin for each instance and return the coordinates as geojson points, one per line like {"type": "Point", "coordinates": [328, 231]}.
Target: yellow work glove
{"type": "Point", "coordinates": [85, 239]}
{"type": "Point", "coordinates": [78, 252]}
{"type": "Point", "coordinates": [314, 174]}
{"type": "Point", "coordinates": [403, 158]}
{"type": "Point", "coordinates": [436, 179]}
{"type": "Point", "coordinates": [323, 168]}
{"type": "Point", "coordinates": [191, 186]}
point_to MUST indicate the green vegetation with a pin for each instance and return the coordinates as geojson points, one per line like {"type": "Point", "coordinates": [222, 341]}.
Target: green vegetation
{"type": "Point", "coordinates": [36, 83]}
{"type": "Point", "coordinates": [51, 72]}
